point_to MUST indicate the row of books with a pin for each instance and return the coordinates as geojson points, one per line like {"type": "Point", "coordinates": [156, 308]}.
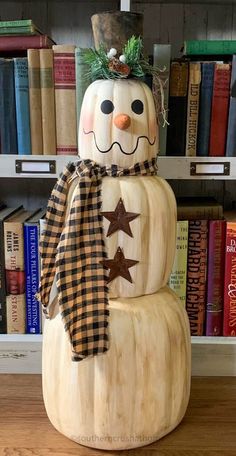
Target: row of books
{"type": "Point", "coordinates": [41, 90]}
{"type": "Point", "coordinates": [204, 270]}
{"type": "Point", "coordinates": [199, 99]}
{"type": "Point", "coordinates": [20, 312]}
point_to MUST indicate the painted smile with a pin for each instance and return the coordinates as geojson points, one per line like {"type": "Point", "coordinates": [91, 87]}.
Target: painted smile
{"type": "Point", "coordinates": [104, 151]}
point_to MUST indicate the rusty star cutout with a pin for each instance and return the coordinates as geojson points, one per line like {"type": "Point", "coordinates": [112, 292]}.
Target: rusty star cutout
{"type": "Point", "coordinates": [119, 266]}
{"type": "Point", "coordinates": [119, 219]}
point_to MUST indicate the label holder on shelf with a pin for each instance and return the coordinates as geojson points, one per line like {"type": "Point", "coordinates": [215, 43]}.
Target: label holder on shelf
{"type": "Point", "coordinates": [209, 168]}
{"type": "Point", "coordinates": [35, 166]}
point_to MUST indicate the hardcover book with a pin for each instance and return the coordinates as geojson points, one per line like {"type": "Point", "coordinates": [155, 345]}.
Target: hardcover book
{"type": "Point", "coordinates": [229, 319]}
{"type": "Point", "coordinates": [196, 275]}
{"type": "Point", "coordinates": [215, 47]}
{"type": "Point", "coordinates": [8, 137]}
{"type": "Point", "coordinates": [204, 122]}
{"type": "Point", "coordinates": [14, 270]}
{"type": "Point", "coordinates": [176, 131]}
{"type": "Point", "coordinates": [219, 111]}
{"type": "Point", "coordinates": [198, 208]}
{"type": "Point", "coordinates": [161, 59]}
{"type": "Point", "coordinates": [193, 108]}
{"type": "Point", "coordinates": [20, 27]}
{"type": "Point", "coordinates": [35, 102]}
{"type": "Point", "coordinates": [65, 99]}
{"type": "Point", "coordinates": [22, 106]}
{"type": "Point", "coordinates": [215, 278]}
{"type": "Point", "coordinates": [47, 101]}
{"type": "Point", "coordinates": [82, 80]}
{"type": "Point", "coordinates": [231, 137]}
{"type": "Point", "coordinates": [177, 280]}
{"type": "Point", "coordinates": [22, 43]}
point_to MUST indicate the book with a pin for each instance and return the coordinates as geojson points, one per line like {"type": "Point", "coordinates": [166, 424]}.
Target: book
{"type": "Point", "coordinates": [204, 121]}
{"type": "Point", "coordinates": [229, 319]}
{"type": "Point", "coordinates": [14, 270]}
{"type": "Point", "coordinates": [178, 276]}
{"type": "Point", "coordinates": [82, 80]}
{"type": "Point", "coordinates": [4, 214]}
{"type": "Point", "coordinates": [65, 99]}
{"type": "Point", "coordinates": [231, 137]}
{"type": "Point", "coordinates": [215, 277]}
{"type": "Point", "coordinates": [219, 111]}
{"type": "Point", "coordinates": [176, 131]}
{"type": "Point", "coordinates": [202, 208]}
{"type": "Point", "coordinates": [193, 108]}
{"type": "Point", "coordinates": [19, 27]}
{"type": "Point", "coordinates": [47, 101]}
{"type": "Point", "coordinates": [22, 106]}
{"type": "Point", "coordinates": [201, 47]}
{"type": "Point", "coordinates": [32, 272]}
{"type": "Point", "coordinates": [196, 275]}
{"type": "Point", "coordinates": [161, 59]}
{"type": "Point", "coordinates": [35, 103]}
{"type": "Point", "coordinates": [8, 136]}
{"type": "Point", "coordinates": [22, 43]}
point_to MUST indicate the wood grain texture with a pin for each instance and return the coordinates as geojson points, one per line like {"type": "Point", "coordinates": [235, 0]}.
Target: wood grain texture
{"type": "Point", "coordinates": [208, 428]}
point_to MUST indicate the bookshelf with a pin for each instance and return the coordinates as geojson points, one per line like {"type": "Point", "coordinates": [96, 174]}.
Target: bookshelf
{"type": "Point", "coordinates": [69, 22]}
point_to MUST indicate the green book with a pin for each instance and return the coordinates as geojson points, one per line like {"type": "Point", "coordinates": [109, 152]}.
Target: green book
{"type": "Point", "coordinates": [178, 276]}
{"type": "Point", "coordinates": [22, 27]}
{"type": "Point", "coordinates": [209, 47]}
{"type": "Point", "coordinates": [82, 79]}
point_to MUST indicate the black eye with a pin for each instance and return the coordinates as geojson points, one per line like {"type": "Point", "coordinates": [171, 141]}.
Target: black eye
{"type": "Point", "coordinates": [137, 106]}
{"type": "Point", "coordinates": [107, 107]}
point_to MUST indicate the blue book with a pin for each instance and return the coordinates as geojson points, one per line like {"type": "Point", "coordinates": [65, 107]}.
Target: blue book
{"type": "Point", "coordinates": [22, 105]}
{"type": "Point", "coordinates": [7, 108]}
{"type": "Point", "coordinates": [204, 121]}
{"type": "Point", "coordinates": [32, 272]}
{"type": "Point", "coordinates": [231, 136]}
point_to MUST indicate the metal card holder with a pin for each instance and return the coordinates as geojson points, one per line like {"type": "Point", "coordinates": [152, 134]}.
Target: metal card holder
{"type": "Point", "coordinates": [35, 166]}
{"type": "Point", "coordinates": [209, 168]}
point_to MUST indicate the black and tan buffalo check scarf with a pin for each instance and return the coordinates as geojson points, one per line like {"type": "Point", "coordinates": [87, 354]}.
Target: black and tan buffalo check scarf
{"type": "Point", "coordinates": [73, 250]}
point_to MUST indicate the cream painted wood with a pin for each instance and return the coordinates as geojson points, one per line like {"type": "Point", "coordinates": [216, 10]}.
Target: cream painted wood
{"type": "Point", "coordinates": [101, 140]}
{"type": "Point", "coordinates": [135, 393]}
{"type": "Point", "coordinates": [154, 231]}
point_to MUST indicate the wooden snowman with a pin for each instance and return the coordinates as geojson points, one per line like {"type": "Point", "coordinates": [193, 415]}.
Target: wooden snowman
{"type": "Point", "coordinates": [138, 390]}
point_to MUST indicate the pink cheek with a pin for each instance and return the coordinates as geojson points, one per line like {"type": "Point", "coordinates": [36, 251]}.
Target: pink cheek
{"type": "Point", "coordinates": [87, 122]}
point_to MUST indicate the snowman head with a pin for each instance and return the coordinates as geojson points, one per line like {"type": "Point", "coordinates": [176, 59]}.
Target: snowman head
{"type": "Point", "coordinates": [118, 123]}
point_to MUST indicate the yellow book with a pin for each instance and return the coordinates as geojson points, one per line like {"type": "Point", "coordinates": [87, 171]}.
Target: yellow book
{"type": "Point", "coordinates": [178, 276]}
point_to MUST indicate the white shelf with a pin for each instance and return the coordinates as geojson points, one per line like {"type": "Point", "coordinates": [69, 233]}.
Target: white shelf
{"type": "Point", "coordinates": [169, 167]}
{"type": "Point", "coordinates": [213, 356]}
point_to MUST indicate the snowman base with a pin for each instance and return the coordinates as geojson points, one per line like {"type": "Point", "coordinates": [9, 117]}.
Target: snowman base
{"type": "Point", "coordinates": [135, 393]}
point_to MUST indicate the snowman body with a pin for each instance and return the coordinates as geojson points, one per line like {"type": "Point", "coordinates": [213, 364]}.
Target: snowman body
{"type": "Point", "coordinates": [138, 391]}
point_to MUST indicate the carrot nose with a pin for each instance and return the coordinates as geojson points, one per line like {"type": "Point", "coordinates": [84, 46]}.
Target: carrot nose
{"type": "Point", "coordinates": [122, 121]}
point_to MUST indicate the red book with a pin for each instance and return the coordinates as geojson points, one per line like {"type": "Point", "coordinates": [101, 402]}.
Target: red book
{"type": "Point", "coordinates": [219, 110]}
{"type": "Point", "coordinates": [215, 277]}
{"type": "Point", "coordinates": [229, 325]}
{"type": "Point", "coordinates": [22, 43]}
{"type": "Point", "coordinates": [196, 275]}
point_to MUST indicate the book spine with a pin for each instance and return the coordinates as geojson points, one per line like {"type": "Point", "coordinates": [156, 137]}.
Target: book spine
{"type": "Point", "coordinates": [35, 102]}
{"type": "Point", "coordinates": [193, 108]}
{"type": "Point", "coordinates": [196, 275]}
{"type": "Point", "coordinates": [229, 320]}
{"type": "Point", "coordinates": [209, 47]}
{"type": "Point", "coordinates": [47, 101]}
{"type": "Point", "coordinates": [82, 80]}
{"type": "Point", "coordinates": [199, 212]}
{"type": "Point", "coordinates": [7, 108]}
{"type": "Point", "coordinates": [204, 122]}
{"type": "Point", "coordinates": [16, 23]}
{"type": "Point", "coordinates": [65, 100]}
{"type": "Point", "coordinates": [161, 59]}
{"type": "Point", "coordinates": [215, 278]}
{"type": "Point", "coordinates": [22, 105]}
{"type": "Point", "coordinates": [231, 137]}
{"type": "Point", "coordinates": [31, 256]}
{"type": "Point", "coordinates": [177, 280]}
{"type": "Point", "coordinates": [23, 43]}
{"type": "Point", "coordinates": [176, 131]}
{"type": "Point", "coordinates": [3, 312]}
{"type": "Point", "coordinates": [15, 276]}
{"type": "Point", "coordinates": [219, 113]}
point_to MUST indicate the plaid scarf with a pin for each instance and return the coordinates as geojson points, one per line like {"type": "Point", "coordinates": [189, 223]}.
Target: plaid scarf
{"type": "Point", "coordinates": [74, 248]}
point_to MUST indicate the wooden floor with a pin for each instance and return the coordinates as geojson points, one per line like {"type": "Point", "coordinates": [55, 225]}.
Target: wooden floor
{"type": "Point", "coordinates": [208, 429]}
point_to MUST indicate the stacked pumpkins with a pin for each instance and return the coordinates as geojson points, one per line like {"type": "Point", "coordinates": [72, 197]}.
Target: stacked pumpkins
{"type": "Point", "coordinates": [138, 391]}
